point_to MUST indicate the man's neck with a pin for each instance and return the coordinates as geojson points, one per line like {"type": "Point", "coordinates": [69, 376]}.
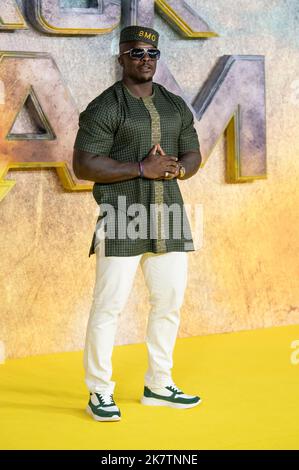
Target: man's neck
{"type": "Point", "coordinates": [139, 90]}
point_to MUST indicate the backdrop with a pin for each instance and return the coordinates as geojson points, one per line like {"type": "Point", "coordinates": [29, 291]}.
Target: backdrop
{"type": "Point", "coordinates": [245, 274]}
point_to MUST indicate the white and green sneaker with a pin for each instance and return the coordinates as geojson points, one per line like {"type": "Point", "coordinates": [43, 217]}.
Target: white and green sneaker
{"type": "Point", "coordinates": [102, 407]}
{"type": "Point", "coordinates": [169, 395]}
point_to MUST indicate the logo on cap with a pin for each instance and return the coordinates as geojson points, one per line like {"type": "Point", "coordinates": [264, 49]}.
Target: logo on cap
{"type": "Point", "coordinates": [147, 35]}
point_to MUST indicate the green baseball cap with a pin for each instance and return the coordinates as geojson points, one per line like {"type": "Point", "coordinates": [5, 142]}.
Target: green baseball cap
{"type": "Point", "coordinates": [139, 33]}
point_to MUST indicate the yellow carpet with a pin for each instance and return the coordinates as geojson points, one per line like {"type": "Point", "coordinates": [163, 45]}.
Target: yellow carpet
{"type": "Point", "coordinates": [248, 384]}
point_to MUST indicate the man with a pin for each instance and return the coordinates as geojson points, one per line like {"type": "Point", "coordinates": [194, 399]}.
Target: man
{"type": "Point", "coordinates": [134, 141]}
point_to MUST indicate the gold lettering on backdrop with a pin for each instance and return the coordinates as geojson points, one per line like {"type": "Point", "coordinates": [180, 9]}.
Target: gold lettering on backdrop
{"type": "Point", "coordinates": [222, 106]}
{"type": "Point", "coordinates": [10, 16]}
{"type": "Point", "coordinates": [43, 136]}
{"type": "Point", "coordinates": [184, 19]}
{"type": "Point", "coordinates": [49, 17]}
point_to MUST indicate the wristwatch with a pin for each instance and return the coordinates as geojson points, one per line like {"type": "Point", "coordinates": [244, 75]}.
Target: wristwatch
{"type": "Point", "coordinates": [182, 171]}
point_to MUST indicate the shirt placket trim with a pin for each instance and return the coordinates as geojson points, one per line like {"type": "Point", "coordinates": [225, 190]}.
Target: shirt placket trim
{"type": "Point", "coordinates": [158, 185]}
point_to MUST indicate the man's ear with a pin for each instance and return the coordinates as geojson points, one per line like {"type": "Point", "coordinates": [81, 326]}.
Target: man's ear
{"type": "Point", "coordinates": [120, 61]}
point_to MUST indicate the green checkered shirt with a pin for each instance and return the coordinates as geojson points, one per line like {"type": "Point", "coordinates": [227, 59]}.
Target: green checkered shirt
{"type": "Point", "coordinates": [124, 127]}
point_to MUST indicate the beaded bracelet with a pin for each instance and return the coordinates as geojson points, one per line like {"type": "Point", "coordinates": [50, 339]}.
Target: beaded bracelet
{"type": "Point", "coordinates": [141, 169]}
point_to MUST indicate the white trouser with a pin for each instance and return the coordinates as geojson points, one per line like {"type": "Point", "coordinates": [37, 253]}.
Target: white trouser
{"type": "Point", "coordinates": [166, 278]}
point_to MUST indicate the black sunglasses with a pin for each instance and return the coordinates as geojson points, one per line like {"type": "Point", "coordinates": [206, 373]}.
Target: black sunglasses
{"type": "Point", "coordinates": [139, 53]}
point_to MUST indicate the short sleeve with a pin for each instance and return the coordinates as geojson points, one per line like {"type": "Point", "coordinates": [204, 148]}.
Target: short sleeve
{"type": "Point", "coordinates": [188, 138]}
{"type": "Point", "coordinates": [96, 130]}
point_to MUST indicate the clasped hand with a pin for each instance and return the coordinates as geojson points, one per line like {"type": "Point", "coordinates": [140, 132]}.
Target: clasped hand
{"type": "Point", "coordinates": [174, 170]}
{"type": "Point", "coordinates": [158, 165]}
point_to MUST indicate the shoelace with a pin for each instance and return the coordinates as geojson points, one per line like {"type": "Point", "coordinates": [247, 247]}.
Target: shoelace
{"type": "Point", "coordinates": [176, 389]}
{"type": "Point", "coordinates": [105, 399]}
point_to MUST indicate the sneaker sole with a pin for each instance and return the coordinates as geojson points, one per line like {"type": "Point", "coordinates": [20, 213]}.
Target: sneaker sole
{"type": "Point", "coordinates": [156, 402]}
{"type": "Point", "coordinates": [101, 418]}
